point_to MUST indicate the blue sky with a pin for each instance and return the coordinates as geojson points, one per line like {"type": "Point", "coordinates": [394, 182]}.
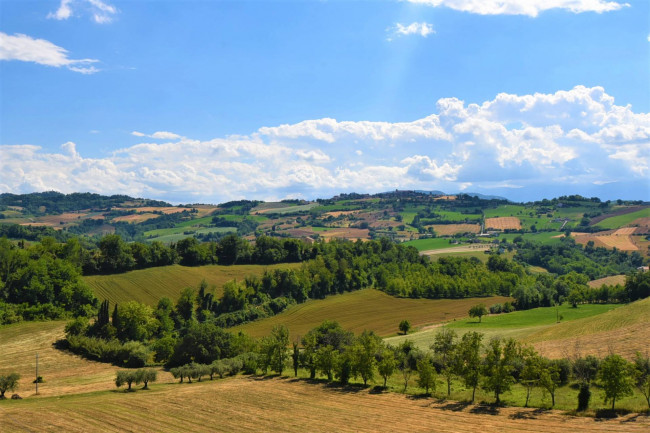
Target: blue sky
{"type": "Point", "coordinates": [196, 101]}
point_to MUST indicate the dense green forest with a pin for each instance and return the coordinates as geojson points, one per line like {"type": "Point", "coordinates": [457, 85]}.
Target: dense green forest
{"type": "Point", "coordinates": [43, 280]}
{"type": "Point", "coordinates": [52, 202]}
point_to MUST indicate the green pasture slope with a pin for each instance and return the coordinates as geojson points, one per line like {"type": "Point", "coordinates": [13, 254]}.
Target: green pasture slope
{"type": "Point", "coordinates": [177, 233]}
{"type": "Point", "coordinates": [533, 317]}
{"type": "Point", "coordinates": [546, 238]}
{"type": "Point", "coordinates": [521, 324]}
{"type": "Point", "coordinates": [430, 244]}
{"type": "Point", "coordinates": [149, 285]}
{"type": "Point", "coordinates": [505, 210]}
{"type": "Point", "coordinates": [623, 220]}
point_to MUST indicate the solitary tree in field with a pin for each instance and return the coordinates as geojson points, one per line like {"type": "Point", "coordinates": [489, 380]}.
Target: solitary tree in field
{"type": "Point", "coordinates": [404, 326]}
{"type": "Point", "coordinates": [478, 311]}
{"type": "Point", "coordinates": [8, 382]}
{"type": "Point", "coordinates": [615, 378]}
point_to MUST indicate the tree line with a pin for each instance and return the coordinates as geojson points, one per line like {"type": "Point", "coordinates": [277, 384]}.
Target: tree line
{"type": "Point", "coordinates": [452, 362]}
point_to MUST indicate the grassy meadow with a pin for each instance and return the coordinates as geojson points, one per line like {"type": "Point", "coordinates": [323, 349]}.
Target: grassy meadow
{"type": "Point", "coordinates": [596, 329]}
{"type": "Point", "coordinates": [623, 220]}
{"type": "Point", "coordinates": [149, 285]}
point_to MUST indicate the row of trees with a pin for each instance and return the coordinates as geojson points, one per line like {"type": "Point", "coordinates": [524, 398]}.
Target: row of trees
{"type": "Point", "coordinates": [129, 377]}
{"type": "Point", "coordinates": [494, 366]}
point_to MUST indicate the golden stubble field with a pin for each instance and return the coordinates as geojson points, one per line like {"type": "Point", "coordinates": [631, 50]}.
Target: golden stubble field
{"type": "Point", "coordinates": [503, 223]}
{"type": "Point", "coordinates": [252, 404]}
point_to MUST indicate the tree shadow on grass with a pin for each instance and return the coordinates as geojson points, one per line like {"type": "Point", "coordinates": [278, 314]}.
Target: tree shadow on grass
{"type": "Point", "coordinates": [456, 406]}
{"type": "Point", "coordinates": [485, 409]}
{"type": "Point", "coordinates": [347, 389]}
{"type": "Point", "coordinates": [422, 396]}
{"type": "Point", "coordinates": [528, 414]}
{"type": "Point", "coordinates": [605, 414]}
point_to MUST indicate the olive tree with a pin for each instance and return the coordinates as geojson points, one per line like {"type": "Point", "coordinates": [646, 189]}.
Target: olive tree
{"type": "Point", "coordinates": [125, 377]}
{"type": "Point", "coordinates": [8, 382]}
{"type": "Point", "coordinates": [146, 375]}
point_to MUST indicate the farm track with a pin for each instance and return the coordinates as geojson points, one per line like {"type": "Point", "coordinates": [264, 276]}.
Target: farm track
{"type": "Point", "coordinates": [244, 404]}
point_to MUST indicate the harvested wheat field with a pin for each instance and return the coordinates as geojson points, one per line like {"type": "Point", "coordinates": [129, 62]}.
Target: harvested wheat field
{"type": "Point", "coordinates": [452, 229]}
{"type": "Point", "coordinates": [165, 210]}
{"type": "Point", "coordinates": [623, 243]}
{"type": "Point", "coordinates": [135, 218]}
{"type": "Point", "coordinates": [63, 372]}
{"type": "Point", "coordinates": [623, 330]}
{"type": "Point", "coordinates": [503, 223]}
{"type": "Point", "coordinates": [459, 249]}
{"type": "Point", "coordinates": [245, 404]}
{"type": "Point", "coordinates": [336, 214]}
{"type": "Point", "coordinates": [345, 233]}
{"type": "Point", "coordinates": [625, 231]}
{"type": "Point", "coordinates": [610, 281]}
{"type": "Point", "coordinates": [365, 309]}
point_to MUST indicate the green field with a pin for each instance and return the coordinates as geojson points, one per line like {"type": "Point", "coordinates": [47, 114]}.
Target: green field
{"type": "Point", "coordinates": [505, 210]}
{"type": "Point", "coordinates": [290, 209]}
{"type": "Point", "coordinates": [175, 237]}
{"type": "Point", "coordinates": [430, 244]}
{"type": "Point", "coordinates": [623, 220]}
{"type": "Point", "coordinates": [456, 216]}
{"type": "Point", "coordinates": [534, 317]}
{"type": "Point", "coordinates": [407, 217]}
{"type": "Point", "coordinates": [542, 237]}
{"type": "Point", "coordinates": [588, 329]}
{"type": "Point", "coordinates": [149, 285]}
{"type": "Point", "coordinates": [365, 309]}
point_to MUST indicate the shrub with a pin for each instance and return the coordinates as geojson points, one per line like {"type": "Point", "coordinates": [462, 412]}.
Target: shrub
{"type": "Point", "coordinates": [496, 309]}
{"type": "Point", "coordinates": [583, 397]}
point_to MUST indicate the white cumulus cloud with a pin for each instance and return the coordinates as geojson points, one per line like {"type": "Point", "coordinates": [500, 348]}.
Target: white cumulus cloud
{"type": "Point", "coordinates": [421, 29]}
{"type": "Point", "coordinates": [524, 7]}
{"type": "Point", "coordinates": [101, 12]}
{"type": "Point", "coordinates": [513, 144]}
{"type": "Point", "coordinates": [27, 49]}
